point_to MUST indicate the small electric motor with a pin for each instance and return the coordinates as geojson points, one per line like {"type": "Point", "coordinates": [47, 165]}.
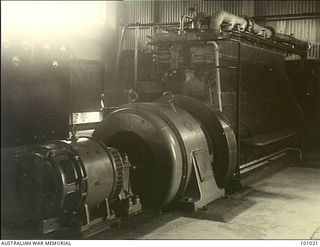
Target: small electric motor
{"type": "Point", "coordinates": [79, 185]}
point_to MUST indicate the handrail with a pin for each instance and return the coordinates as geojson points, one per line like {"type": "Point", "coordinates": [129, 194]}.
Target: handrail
{"type": "Point", "coordinates": [135, 26]}
{"type": "Point", "coordinates": [267, 157]}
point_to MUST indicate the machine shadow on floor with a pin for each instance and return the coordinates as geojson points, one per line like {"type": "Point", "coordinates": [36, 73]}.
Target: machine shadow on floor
{"type": "Point", "coordinates": [221, 210]}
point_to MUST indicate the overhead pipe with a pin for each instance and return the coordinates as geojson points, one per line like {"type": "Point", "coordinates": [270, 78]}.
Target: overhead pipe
{"type": "Point", "coordinates": [289, 39]}
{"type": "Point", "coordinates": [182, 20]}
{"type": "Point", "coordinates": [222, 16]}
{"type": "Point", "coordinates": [135, 26]}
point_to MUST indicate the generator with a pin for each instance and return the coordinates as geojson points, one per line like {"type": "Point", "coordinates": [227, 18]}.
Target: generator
{"type": "Point", "coordinates": [180, 159]}
{"type": "Point", "coordinates": [73, 187]}
{"type": "Point", "coordinates": [214, 107]}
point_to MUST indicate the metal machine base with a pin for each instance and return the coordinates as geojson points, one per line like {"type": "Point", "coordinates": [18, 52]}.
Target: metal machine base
{"type": "Point", "coordinates": [202, 188]}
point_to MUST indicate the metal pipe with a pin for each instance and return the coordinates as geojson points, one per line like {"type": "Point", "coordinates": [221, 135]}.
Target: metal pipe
{"type": "Point", "coordinates": [210, 95]}
{"type": "Point", "coordinates": [217, 69]}
{"type": "Point", "coordinates": [135, 26]}
{"type": "Point", "coordinates": [148, 25]}
{"type": "Point", "coordinates": [253, 162]}
{"type": "Point", "coordinates": [238, 99]}
{"type": "Point", "coordinates": [136, 51]}
{"type": "Point", "coordinates": [182, 19]}
{"type": "Point", "coordinates": [238, 104]}
{"type": "Point", "coordinates": [269, 42]}
{"type": "Point", "coordinates": [222, 16]}
{"type": "Point", "coordinates": [119, 51]}
{"type": "Point", "coordinates": [225, 17]}
{"type": "Point", "coordinates": [286, 17]}
{"type": "Point", "coordinates": [289, 39]}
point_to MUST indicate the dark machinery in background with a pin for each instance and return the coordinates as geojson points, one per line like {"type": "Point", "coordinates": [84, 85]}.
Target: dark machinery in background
{"type": "Point", "coordinates": [305, 84]}
{"type": "Point", "coordinates": [215, 107]}
{"type": "Point", "coordinates": [34, 74]}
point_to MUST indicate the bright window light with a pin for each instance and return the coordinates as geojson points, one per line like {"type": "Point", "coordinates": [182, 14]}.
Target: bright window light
{"type": "Point", "coordinates": [54, 17]}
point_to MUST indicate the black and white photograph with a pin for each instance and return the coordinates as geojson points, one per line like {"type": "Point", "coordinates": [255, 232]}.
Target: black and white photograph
{"type": "Point", "coordinates": [160, 120]}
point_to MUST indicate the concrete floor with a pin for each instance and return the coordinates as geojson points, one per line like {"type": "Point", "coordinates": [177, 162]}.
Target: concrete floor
{"type": "Point", "coordinates": [283, 206]}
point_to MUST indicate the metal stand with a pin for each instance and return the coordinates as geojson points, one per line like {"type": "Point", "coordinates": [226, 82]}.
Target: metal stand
{"type": "Point", "coordinates": [88, 228]}
{"type": "Point", "coordinates": [94, 226]}
{"type": "Point", "coordinates": [202, 188]}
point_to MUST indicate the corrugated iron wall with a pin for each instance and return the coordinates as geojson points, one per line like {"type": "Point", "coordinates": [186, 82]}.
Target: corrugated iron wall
{"type": "Point", "coordinates": [85, 85]}
{"type": "Point", "coordinates": [143, 11]}
{"type": "Point", "coordinates": [304, 29]}
{"type": "Point", "coordinates": [170, 11]}
{"type": "Point", "coordinates": [268, 8]}
{"type": "Point", "coordinates": [132, 11]}
{"type": "Point", "coordinates": [85, 72]}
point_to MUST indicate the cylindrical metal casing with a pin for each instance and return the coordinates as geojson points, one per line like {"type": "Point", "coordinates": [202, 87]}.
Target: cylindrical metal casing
{"type": "Point", "coordinates": [100, 168]}
{"type": "Point", "coordinates": [159, 139]}
{"type": "Point", "coordinates": [221, 138]}
{"type": "Point", "coordinates": [62, 176]}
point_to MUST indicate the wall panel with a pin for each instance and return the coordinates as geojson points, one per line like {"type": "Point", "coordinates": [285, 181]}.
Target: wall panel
{"type": "Point", "coordinates": [171, 11]}
{"type": "Point", "coordinates": [267, 8]}
{"type": "Point", "coordinates": [304, 29]}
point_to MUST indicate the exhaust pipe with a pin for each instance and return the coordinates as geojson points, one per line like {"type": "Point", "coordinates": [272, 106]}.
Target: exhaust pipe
{"type": "Point", "coordinates": [289, 39]}
{"type": "Point", "coordinates": [223, 17]}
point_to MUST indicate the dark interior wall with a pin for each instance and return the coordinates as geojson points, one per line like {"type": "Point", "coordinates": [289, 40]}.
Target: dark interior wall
{"type": "Point", "coordinates": [34, 93]}
{"type": "Point", "coordinates": [84, 41]}
{"type": "Point", "coordinates": [270, 8]}
{"type": "Point", "coordinates": [305, 79]}
{"type": "Point", "coordinates": [301, 18]}
{"type": "Point", "coordinates": [36, 96]}
{"type": "Point", "coordinates": [84, 57]}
